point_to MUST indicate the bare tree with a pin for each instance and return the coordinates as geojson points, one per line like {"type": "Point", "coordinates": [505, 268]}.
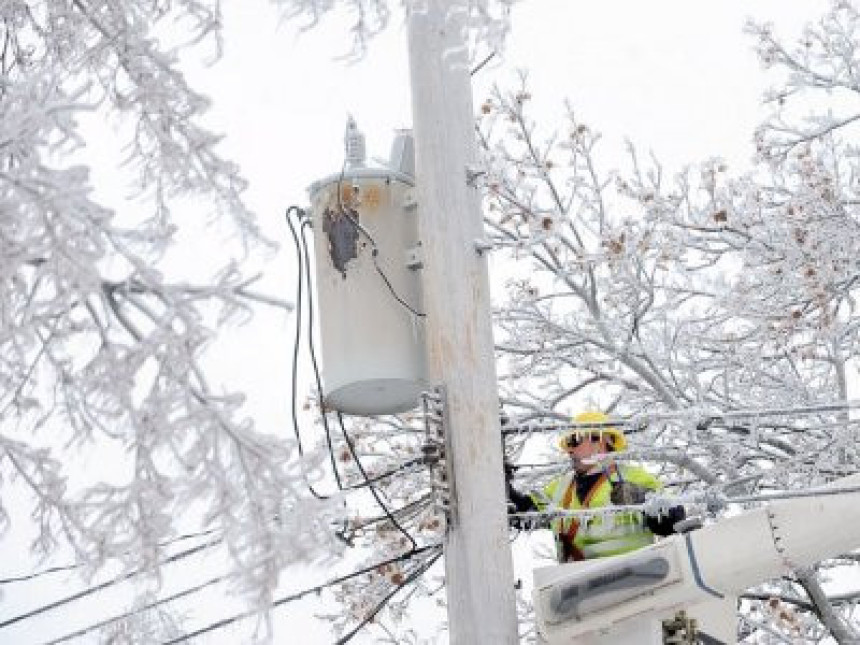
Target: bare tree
{"type": "Point", "coordinates": [713, 312]}
{"type": "Point", "coordinates": [716, 312]}
{"type": "Point", "coordinates": [101, 349]}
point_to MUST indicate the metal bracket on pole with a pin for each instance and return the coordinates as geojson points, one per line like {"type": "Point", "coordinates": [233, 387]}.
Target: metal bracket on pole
{"type": "Point", "coordinates": [410, 199]}
{"type": "Point", "coordinates": [483, 246]}
{"type": "Point", "coordinates": [415, 257]}
{"type": "Point", "coordinates": [435, 450]}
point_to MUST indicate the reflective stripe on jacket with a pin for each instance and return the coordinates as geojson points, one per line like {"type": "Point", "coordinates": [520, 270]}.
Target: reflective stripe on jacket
{"type": "Point", "coordinates": [597, 536]}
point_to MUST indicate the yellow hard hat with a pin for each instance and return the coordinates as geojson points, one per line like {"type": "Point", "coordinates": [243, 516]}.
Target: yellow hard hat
{"type": "Point", "coordinates": [617, 438]}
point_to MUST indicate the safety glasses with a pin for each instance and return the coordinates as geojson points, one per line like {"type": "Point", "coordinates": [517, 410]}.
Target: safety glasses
{"type": "Point", "coordinates": [574, 440]}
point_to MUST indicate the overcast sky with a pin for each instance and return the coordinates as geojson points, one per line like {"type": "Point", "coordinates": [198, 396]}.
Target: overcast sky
{"type": "Point", "coordinates": [676, 76]}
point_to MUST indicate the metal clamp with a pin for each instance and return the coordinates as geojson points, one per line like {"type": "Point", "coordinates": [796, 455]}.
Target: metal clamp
{"type": "Point", "coordinates": [483, 246]}
{"type": "Point", "coordinates": [434, 450]}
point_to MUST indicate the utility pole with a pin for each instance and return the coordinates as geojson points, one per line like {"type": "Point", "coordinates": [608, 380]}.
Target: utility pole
{"type": "Point", "coordinates": [478, 565]}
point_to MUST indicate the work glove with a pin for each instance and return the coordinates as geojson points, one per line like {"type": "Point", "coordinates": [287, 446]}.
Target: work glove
{"type": "Point", "coordinates": [510, 469]}
{"type": "Point", "coordinates": [671, 521]}
{"type": "Point", "coordinates": [627, 494]}
{"type": "Point", "coordinates": [518, 502]}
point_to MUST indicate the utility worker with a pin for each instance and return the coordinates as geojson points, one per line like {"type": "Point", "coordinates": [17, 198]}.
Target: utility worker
{"type": "Point", "coordinates": [593, 484]}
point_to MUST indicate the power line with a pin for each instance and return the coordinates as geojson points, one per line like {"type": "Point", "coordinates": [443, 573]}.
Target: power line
{"type": "Point", "coordinates": [227, 621]}
{"type": "Point", "coordinates": [388, 473]}
{"type": "Point", "coordinates": [373, 490]}
{"type": "Point", "coordinates": [102, 586]}
{"type": "Point", "coordinates": [301, 594]}
{"type": "Point", "coordinates": [638, 423]}
{"type": "Point", "coordinates": [411, 509]}
{"type": "Point", "coordinates": [72, 567]}
{"type": "Point", "coordinates": [137, 610]}
{"type": "Point", "coordinates": [419, 571]}
{"type": "Point", "coordinates": [713, 500]}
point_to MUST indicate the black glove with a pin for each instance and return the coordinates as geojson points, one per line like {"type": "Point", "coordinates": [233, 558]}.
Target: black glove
{"type": "Point", "coordinates": [668, 522]}
{"type": "Point", "coordinates": [627, 494]}
{"type": "Point", "coordinates": [510, 469]}
{"type": "Point", "coordinates": [517, 502]}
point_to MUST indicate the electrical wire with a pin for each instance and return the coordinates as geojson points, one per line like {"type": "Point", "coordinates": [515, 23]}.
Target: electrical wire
{"type": "Point", "coordinates": [412, 508]}
{"type": "Point", "coordinates": [223, 623]}
{"type": "Point", "coordinates": [710, 500]}
{"type": "Point", "coordinates": [304, 276]}
{"type": "Point", "coordinates": [481, 65]}
{"type": "Point", "coordinates": [640, 422]}
{"type": "Point", "coordinates": [388, 473]}
{"type": "Point", "coordinates": [71, 567]}
{"type": "Point", "coordinates": [301, 594]}
{"type": "Point", "coordinates": [374, 253]}
{"type": "Point", "coordinates": [102, 586]}
{"type": "Point", "coordinates": [146, 607]}
{"type": "Point", "coordinates": [300, 243]}
{"type": "Point", "coordinates": [311, 347]}
{"type": "Point", "coordinates": [294, 385]}
{"type": "Point", "coordinates": [312, 351]}
{"type": "Point", "coordinates": [372, 488]}
{"type": "Point", "coordinates": [385, 279]}
{"type": "Point", "coordinates": [419, 571]}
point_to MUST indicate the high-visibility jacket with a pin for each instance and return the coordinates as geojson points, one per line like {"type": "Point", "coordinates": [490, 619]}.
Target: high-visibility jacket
{"type": "Point", "coordinates": [583, 538]}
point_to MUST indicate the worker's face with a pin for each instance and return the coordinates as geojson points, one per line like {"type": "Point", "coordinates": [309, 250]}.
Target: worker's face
{"type": "Point", "coordinates": [585, 448]}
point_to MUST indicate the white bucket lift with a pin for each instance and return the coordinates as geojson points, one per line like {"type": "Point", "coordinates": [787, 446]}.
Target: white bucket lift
{"type": "Point", "coordinates": [625, 600]}
{"type": "Point", "coordinates": [368, 262]}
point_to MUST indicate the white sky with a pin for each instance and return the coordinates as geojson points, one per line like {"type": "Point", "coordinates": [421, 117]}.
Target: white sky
{"type": "Point", "coordinates": [676, 76]}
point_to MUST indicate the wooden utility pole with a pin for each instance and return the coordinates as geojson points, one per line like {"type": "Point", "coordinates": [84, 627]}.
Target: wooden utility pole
{"type": "Point", "coordinates": [478, 565]}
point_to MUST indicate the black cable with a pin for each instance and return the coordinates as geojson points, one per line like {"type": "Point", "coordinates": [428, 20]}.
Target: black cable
{"type": "Point", "coordinates": [419, 571]}
{"type": "Point", "coordinates": [227, 621]}
{"type": "Point", "coordinates": [102, 586]}
{"type": "Point", "coordinates": [305, 276]}
{"type": "Point", "coordinates": [412, 507]}
{"type": "Point", "coordinates": [480, 65]}
{"type": "Point", "coordinates": [72, 567]}
{"type": "Point", "coordinates": [150, 605]}
{"type": "Point", "coordinates": [371, 487]}
{"type": "Point", "coordinates": [311, 349]}
{"type": "Point", "coordinates": [39, 574]}
{"type": "Point", "coordinates": [384, 277]}
{"type": "Point", "coordinates": [707, 639]}
{"type": "Point", "coordinates": [299, 213]}
{"type": "Point", "coordinates": [301, 594]}
{"type": "Point", "coordinates": [374, 254]}
{"type": "Point", "coordinates": [388, 473]}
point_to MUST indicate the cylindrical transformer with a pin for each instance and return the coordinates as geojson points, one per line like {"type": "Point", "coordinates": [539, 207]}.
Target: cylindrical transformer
{"type": "Point", "coordinates": [368, 261]}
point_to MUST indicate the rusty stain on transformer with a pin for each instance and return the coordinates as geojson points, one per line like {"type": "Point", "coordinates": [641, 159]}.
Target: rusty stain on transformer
{"type": "Point", "coordinates": [341, 229]}
{"type": "Point", "coordinates": [372, 197]}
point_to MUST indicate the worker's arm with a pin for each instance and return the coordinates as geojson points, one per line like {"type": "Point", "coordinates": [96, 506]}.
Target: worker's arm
{"type": "Point", "coordinates": [629, 492]}
{"type": "Point", "coordinates": [519, 501]}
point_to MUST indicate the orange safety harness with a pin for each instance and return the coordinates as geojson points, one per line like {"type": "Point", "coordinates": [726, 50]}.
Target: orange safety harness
{"type": "Point", "coordinates": [568, 537]}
